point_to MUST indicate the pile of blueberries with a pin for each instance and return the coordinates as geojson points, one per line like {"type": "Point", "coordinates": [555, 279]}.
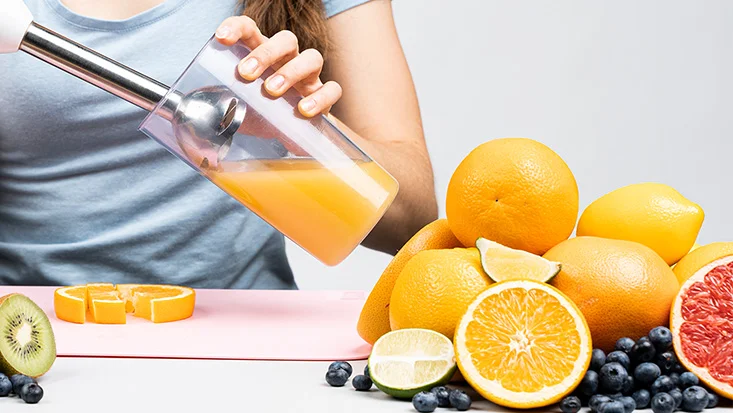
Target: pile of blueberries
{"type": "Point", "coordinates": [638, 375]}
{"type": "Point", "coordinates": [22, 386]}
{"type": "Point", "coordinates": [339, 373]}
{"type": "Point", "coordinates": [441, 396]}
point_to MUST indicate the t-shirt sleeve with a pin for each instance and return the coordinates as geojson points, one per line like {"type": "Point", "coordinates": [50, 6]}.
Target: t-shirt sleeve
{"type": "Point", "coordinates": [334, 7]}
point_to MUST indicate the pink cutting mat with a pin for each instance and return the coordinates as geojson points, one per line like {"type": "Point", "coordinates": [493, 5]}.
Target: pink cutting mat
{"type": "Point", "coordinates": [226, 324]}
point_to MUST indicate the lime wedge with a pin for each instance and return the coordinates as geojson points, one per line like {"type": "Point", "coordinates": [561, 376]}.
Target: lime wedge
{"type": "Point", "coordinates": [405, 362]}
{"type": "Point", "coordinates": [502, 263]}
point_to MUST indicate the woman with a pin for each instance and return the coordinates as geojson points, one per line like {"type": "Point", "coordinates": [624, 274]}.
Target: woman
{"type": "Point", "coordinates": [84, 197]}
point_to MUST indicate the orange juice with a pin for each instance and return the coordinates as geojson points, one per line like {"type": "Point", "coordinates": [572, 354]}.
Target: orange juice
{"type": "Point", "coordinates": [328, 211]}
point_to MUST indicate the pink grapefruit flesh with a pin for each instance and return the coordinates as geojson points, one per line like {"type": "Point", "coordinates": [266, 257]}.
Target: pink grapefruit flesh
{"type": "Point", "coordinates": [702, 325]}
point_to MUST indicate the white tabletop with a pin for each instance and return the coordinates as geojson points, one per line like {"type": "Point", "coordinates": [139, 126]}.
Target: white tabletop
{"type": "Point", "coordinates": [109, 385]}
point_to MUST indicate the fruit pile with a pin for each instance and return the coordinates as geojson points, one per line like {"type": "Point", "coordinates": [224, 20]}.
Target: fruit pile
{"type": "Point", "coordinates": [524, 302]}
{"type": "Point", "coordinates": [639, 374]}
{"type": "Point", "coordinates": [104, 303]}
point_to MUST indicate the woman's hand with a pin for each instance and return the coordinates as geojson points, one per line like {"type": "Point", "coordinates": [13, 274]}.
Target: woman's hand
{"type": "Point", "coordinates": [293, 68]}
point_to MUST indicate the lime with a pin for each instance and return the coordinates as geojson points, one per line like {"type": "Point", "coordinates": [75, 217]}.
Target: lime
{"type": "Point", "coordinates": [502, 263]}
{"type": "Point", "coordinates": [405, 362]}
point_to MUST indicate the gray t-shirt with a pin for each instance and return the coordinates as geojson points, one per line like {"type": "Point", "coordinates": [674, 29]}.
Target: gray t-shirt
{"type": "Point", "coordinates": [86, 197]}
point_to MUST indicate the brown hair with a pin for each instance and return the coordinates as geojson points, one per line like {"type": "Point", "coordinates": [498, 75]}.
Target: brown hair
{"type": "Point", "coordinates": [305, 18]}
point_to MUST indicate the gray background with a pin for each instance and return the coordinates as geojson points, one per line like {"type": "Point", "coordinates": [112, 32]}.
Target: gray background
{"type": "Point", "coordinates": [625, 92]}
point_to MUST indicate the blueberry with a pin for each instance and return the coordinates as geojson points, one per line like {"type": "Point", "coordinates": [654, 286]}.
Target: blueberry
{"type": "Point", "coordinates": [337, 377]}
{"type": "Point", "coordinates": [629, 404]}
{"type": "Point", "coordinates": [5, 386]}
{"type": "Point", "coordinates": [18, 381]}
{"type": "Point", "coordinates": [712, 400]}
{"type": "Point", "coordinates": [662, 403]}
{"type": "Point", "coordinates": [642, 398]}
{"type": "Point", "coordinates": [643, 351]}
{"type": "Point", "coordinates": [589, 385]}
{"type": "Point", "coordinates": [460, 400]}
{"type": "Point", "coordinates": [612, 407]}
{"type": "Point", "coordinates": [31, 393]}
{"type": "Point", "coordinates": [597, 359]}
{"type": "Point", "coordinates": [677, 396]}
{"type": "Point", "coordinates": [570, 404]}
{"type": "Point", "coordinates": [675, 379]}
{"type": "Point", "coordinates": [661, 338]}
{"type": "Point", "coordinates": [361, 382]}
{"type": "Point", "coordinates": [615, 396]}
{"type": "Point", "coordinates": [694, 399]}
{"type": "Point", "coordinates": [366, 371]}
{"type": "Point", "coordinates": [662, 384]}
{"type": "Point", "coordinates": [425, 402]}
{"type": "Point", "coordinates": [628, 386]}
{"type": "Point", "coordinates": [443, 394]}
{"type": "Point", "coordinates": [619, 357]}
{"type": "Point", "coordinates": [596, 400]}
{"type": "Point", "coordinates": [688, 379]}
{"type": "Point", "coordinates": [612, 377]}
{"type": "Point", "coordinates": [624, 344]}
{"type": "Point", "coordinates": [341, 365]}
{"type": "Point", "coordinates": [679, 368]}
{"type": "Point", "coordinates": [646, 373]}
{"type": "Point", "coordinates": [666, 361]}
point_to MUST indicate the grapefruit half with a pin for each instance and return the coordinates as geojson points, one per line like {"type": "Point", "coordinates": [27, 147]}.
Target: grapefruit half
{"type": "Point", "coordinates": [701, 321]}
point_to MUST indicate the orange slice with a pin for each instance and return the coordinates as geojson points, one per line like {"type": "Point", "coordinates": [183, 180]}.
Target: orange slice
{"type": "Point", "coordinates": [162, 304]}
{"type": "Point", "coordinates": [105, 303]}
{"type": "Point", "coordinates": [70, 303]}
{"type": "Point", "coordinates": [523, 344]}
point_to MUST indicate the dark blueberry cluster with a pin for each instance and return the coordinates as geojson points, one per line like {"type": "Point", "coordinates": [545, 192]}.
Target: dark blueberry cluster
{"type": "Point", "coordinates": [636, 375]}
{"type": "Point", "coordinates": [339, 373]}
{"type": "Point", "coordinates": [441, 396]}
{"type": "Point", "coordinates": [22, 386]}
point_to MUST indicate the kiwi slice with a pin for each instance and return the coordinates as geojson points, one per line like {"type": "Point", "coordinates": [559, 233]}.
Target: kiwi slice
{"type": "Point", "coordinates": [27, 345]}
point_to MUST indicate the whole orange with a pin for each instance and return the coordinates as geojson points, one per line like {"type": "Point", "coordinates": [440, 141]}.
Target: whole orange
{"type": "Point", "coordinates": [623, 288]}
{"type": "Point", "coordinates": [514, 191]}
{"type": "Point", "coordinates": [435, 288]}
{"type": "Point", "coordinates": [374, 318]}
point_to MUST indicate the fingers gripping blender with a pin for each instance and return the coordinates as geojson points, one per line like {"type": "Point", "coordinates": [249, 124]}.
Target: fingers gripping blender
{"type": "Point", "coordinates": [301, 175]}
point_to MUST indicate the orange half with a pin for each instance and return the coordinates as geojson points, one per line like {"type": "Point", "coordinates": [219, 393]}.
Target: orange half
{"type": "Point", "coordinates": [70, 303]}
{"type": "Point", "coordinates": [523, 344]}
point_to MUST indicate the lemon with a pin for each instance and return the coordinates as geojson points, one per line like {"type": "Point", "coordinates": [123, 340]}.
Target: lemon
{"type": "Point", "coordinates": [652, 214]}
{"type": "Point", "coordinates": [405, 362]}
{"type": "Point", "coordinates": [502, 263]}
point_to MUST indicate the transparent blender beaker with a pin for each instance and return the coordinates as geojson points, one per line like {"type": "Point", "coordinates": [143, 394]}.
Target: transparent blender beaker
{"type": "Point", "coordinates": [301, 175]}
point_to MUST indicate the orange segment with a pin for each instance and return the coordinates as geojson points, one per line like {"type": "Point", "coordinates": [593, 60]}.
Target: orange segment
{"type": "Point", "coordinates": [523, 344]}
{"type": "Point", "coordinates": [70, 304]}
{"type": "Point", "coordinates": [161, 304]}
{"type": "Point", "coordinates": [125, 293]}
{"type": "Point", "coordinates": [107, 308]}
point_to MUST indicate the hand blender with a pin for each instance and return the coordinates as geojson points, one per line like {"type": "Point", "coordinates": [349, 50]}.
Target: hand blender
{"type": "Point", "coordinates": [301, 175]}
{"type": "Point", "coordinates": [213, 108]}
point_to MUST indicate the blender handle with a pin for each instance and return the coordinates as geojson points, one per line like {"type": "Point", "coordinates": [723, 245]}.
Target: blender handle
{"type": "Point", "coordinates": [18, 31]}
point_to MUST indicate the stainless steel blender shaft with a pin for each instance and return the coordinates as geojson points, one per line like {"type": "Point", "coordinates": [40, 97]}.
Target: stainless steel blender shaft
{"type": "Point", "coordinates": [98, 70]}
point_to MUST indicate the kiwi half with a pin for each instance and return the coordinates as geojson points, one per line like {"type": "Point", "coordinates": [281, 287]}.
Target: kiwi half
{"type": "Point", "coordinates": [27, 344]}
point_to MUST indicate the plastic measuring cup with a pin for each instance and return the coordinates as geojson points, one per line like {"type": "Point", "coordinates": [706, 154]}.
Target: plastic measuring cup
{"type": "Point", "coordinates": [301, 175]}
